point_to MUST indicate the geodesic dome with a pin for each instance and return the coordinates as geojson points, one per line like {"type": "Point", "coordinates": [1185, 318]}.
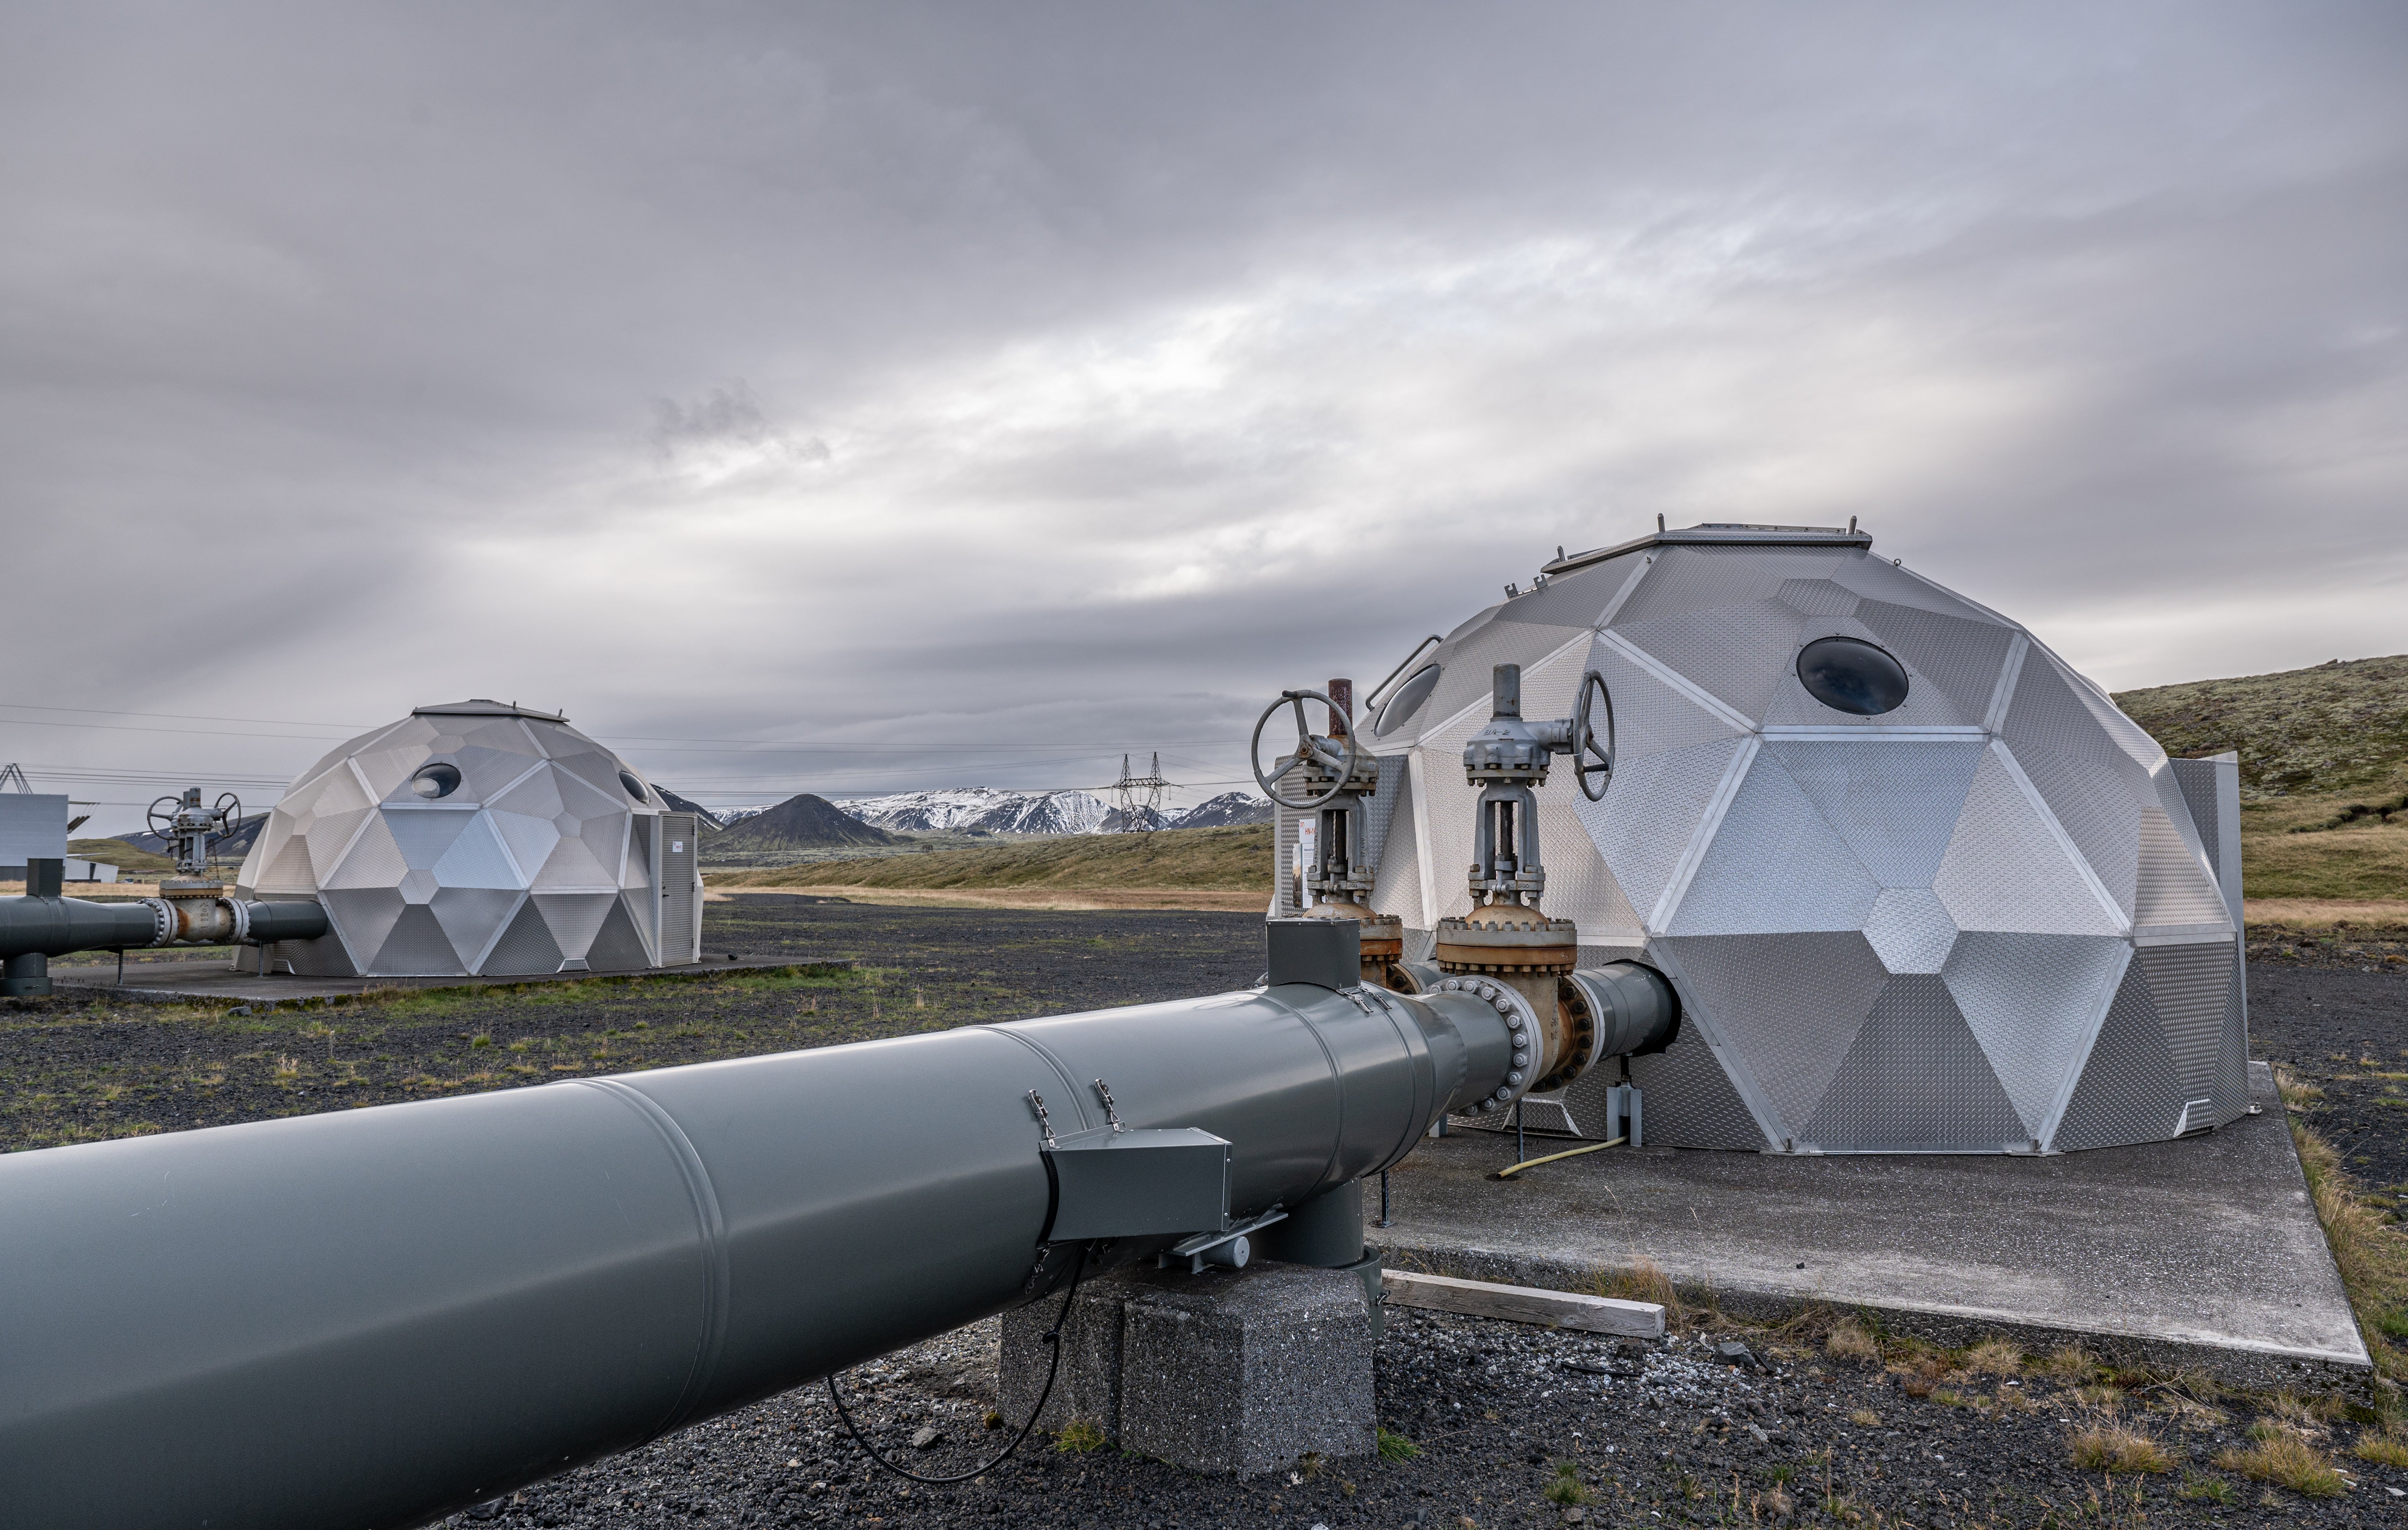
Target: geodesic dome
{"type": "Point", "coordinates": [480, 838]}
{"type": "Point", "coordinates": [1983, 918]}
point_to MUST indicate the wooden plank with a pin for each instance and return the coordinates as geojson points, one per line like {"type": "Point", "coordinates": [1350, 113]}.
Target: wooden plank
{"type": "Point", "coordinates": [1523, 1303]}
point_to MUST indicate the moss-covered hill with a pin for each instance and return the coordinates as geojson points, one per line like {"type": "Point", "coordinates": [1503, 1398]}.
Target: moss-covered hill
{"type": "Point", "coordinates": [2324, 769]}
{"type": "Point", "coordinates": [1236, 859]}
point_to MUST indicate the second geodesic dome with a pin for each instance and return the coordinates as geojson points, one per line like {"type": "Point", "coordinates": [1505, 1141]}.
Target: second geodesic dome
{"type": "Point", "coordinates": [480, 838]}
{"type": "Point", "coordinates": [1993, 918]}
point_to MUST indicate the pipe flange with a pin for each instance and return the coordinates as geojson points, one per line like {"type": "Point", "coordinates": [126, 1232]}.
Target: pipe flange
{"type": "Point", "coordinates": [240, 911]}
{"type": "Point", "coordinates": [162, 920]}
{"type": "Point", "coordinates": [1523, 1019]}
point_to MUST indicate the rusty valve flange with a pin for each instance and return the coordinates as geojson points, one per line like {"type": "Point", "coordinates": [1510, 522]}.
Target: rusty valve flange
{"type": "Point", "coordinates": [1526, 1036]}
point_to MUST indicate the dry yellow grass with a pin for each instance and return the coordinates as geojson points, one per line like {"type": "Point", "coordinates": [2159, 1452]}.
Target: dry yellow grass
{"type": "Point", "coordinates": [1848, 1340]}
{"type": "Point", "coordinates": [1043, 897]}
{"type": "Point", "coordinates": [2369, 1250]}
{"type": "Point", "coordinates": [2286, 1458]}
{"type": "Point", "coordinates": [1993, 1357]}
{"type": "Point", "coordinates": [2323, 913]}
{"type": "Point", "coordinates": [2116, 1448]}
{"type": "Point", "coordinates": [2383, 1450]}
{"type": "Point", "coordinates": [107, 890]}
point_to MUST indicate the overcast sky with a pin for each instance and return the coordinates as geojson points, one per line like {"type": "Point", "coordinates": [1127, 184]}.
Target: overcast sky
{"type": "Point", "coordinates": [1006, 386]}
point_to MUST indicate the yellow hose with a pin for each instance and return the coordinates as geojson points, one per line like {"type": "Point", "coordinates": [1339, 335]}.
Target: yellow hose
{"type": "Point", "coordinates": [1510, 1170]}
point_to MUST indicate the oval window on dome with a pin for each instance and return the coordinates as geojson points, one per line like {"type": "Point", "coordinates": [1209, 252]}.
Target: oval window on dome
{"type": "Point", "coordinates": [635, 787]}
{"type": "Point", "coordinates": [1400, 708]}
{"type": "Point", "coordinates": [1849, 674]}
{"type": "Point", "coordinates": [436, 780]}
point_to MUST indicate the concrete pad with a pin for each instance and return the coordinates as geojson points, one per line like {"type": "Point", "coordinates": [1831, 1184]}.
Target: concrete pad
{"type": "Point", "coordinates": [2201, 1253]}
{"type": "Point", "coordinates": [183, 982]}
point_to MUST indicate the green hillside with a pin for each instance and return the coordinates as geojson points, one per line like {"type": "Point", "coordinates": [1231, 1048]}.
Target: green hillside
{"type": "Point", "coordinates": [2324, 771]}
{"type": "Point", "coordinates": [1237, 859]}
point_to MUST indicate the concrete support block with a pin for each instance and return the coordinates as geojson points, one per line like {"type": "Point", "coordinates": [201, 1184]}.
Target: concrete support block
{"type": "Point", "coordinates": [1234, 1372]}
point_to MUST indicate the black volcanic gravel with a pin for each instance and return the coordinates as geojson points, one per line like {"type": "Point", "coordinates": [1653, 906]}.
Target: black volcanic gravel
{"type": "Point", "coordinates": [1659, 1434]}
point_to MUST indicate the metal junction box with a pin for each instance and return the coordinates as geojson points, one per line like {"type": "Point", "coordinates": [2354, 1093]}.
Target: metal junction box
{"type": "Point", "coordinates": [1118, 1184]}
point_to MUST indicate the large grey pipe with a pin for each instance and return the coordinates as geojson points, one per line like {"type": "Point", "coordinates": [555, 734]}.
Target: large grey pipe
{"type": "Point", "coordinates": [55, 926]}
{"type": "Point", "coordinates": [373, 1317]}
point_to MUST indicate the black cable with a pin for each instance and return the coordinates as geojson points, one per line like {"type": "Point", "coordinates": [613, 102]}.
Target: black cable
{"type": "Point", "coordinates": [1053, 1369]}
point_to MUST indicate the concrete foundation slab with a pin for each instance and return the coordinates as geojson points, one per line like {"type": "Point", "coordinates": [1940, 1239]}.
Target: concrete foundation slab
{"type": "Point", "coordinates": [1234, 1372]}
{"type": "Point", "coordinates": [2200, 1252]}
{"type": "Point", "coordinates": [182, 982]}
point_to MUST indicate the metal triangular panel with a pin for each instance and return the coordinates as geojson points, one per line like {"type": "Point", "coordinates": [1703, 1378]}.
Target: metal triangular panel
{"type": "Point", "coordinates": [471, 917]}
{"type": "Point", "coordinates": [1960, 657]}
{"type": "Point", "coordinates": [1649, 716]}
{"type": "Point", "coordinates": [424, 833]}
{"type": "Point", "coordinates": [2100, 809]}
{"type": "Point", "coordinates": [529, 840]}
{"type": "Point", "coordinates": [1895, 801]}
{"type": "Point", "coordinates": [364, 918]}
{"type": "Point", "coordinates": [2170, 885]}
{"type": "Point", "coordinates": [2231, 1091]}
{"type": "Point", "coordinates": [2046, 892]}
{"type": "Point", "coordinates": [1792, 706]}
{"type": "Point", "coordinates": [586, 802]}
{"type": "Point", "coordinates": [1580, 884]}
{"type": "Point", "coordinates": [486, 773]}
{"type": "Point", "coordinates": [416, 948]}
{"type": "Point", "coordinates": [1686, 579]}
{"type": "Point", "coordinates": [289, 871]}
{"type": "Point", "coordinates": [1688, 1100]}
{"type": "Point", "coordinates": [1775, 865]}
{"type": "Point", "coordinates": [1917, 1080]}
{"type": "Point", "coordinates": [571, 866]}
{"type": "Point", "coordinates": [1380, 808]}
{"type": "Point", "coordinates": [1878, 579]}
{"type": "Point", "coordinates": [2128, 1090]}
{"type": "Point", "coordinates": [1467, 664]}
{"type": "Point", "coordinates": [329, 835]}
{"type": "Point", "coordinates": [2189, 985]}
{"type": "Point", "coordinates": [504, 735]}
{"type": "Point", "coordinates": [1650, 815]}
{"type": "Point", "coordinates": [374, 861]}
{"type": "Point", "coordinates": [617, 947]}
{"type": "Point", "coordinates": [2030, 1000]}
{"type": "Point", "coordinates": [1397, 888]}
{"type": "Point", "coordinates": [1910, 930]}
{"type": "Point", "coordinates": [536, 797]}
{"type": "Point", "coordinates": [1577, 598]}
{"type": "Point", "coordinates": [476, 859]}
{"type": "Point", "coordinates": [526, 949]}
{"type": "Point", "coordinates": [574, 917]}
{"type": "Point", "coordinates": [1739, 654]}
{"type": "Point", "coordinates": [1818, 597]}
{"type": "Point", "coordinates": [1785, 1008]}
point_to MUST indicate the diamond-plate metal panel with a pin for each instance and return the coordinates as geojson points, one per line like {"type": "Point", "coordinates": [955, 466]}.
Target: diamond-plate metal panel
{"type": "Point", "coordinates": [1688, 579]}
{"type": "Point", "coordinates": [416, 948]}
{"type": "Point", "coordinates": [476, 859]}
{"type": "Point", "coordinates": [1650, 716]}
{"type": "Point", "coordinates": [1397, 888]}
{"type": "Point", "coordinates": [2100, 811]}
{"type": "Point", "coordinates": [529, 841]}
{"type": "Point", "coordinates": [617, 947]}
{"type": "Point", "coordinates": [1739, 654]}
{"type": "Point", "coordinates": [423, 835]}
{"type": "Point", "coordinates": [575, 917]}
{"type": "Point", "coordinates": [1775, 865]}
{"type": "Point", "coordinates": [472, 917]}
{"type": "Point", "coordinates": [526, 948]}
{"type": "Point", "coordinates": [572, 867]}
{"type": "Point", "coordinates": [1910, 930]}
{"type": "Point", "coordinates": [1961, 658]}
{"type": "Point", "coordinates": [2128, 1090]}
{"type": "Point", "coordinates": [1688, 1099]}
{"type": "Point", "coordinates": [374, 861]}
{"type": "Point", "coordinates": [1785, 1007]}
{"type": "Point", "coordinates": [1917, 1080]}
{"type": "Point", "coordinates": [2005, 870]}
{"type": "Point", "coordinates": [362, 917]}
{"type": "Point", "coordinates": [1580, 885]}
{"type": "Point", "coordinates": [2030, 999]}
{"type": "Point", "coordinates": [1792, 705]}
{"type": "Point", "coordinates": [2170, 884]}
{"type": "Point", "coordinates": [2231, 1091]}
{"type": "Point", "coordinates": [1468, 664]}
{"type": "Point", "coordinates": [2188, 986]}
{"type": "Point", "coordinates": [1878, 579]}
{"type": "Point", "coordinates": [1379, 809]}
{"type": "Point", "coordinates": [1573, 600]}
{"type": "Point", "coordinates": [1895, 803]}
{"type": "Point", "coordinates": [1816, 598]}
{"type": "Point", "coordinates": [1644, 826]}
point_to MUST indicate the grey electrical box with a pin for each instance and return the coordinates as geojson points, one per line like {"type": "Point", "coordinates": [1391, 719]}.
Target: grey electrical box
{"type": "Point", "coordinates": [1135, 1184]}
{"type": "Point", "coordinates": [33, 827]}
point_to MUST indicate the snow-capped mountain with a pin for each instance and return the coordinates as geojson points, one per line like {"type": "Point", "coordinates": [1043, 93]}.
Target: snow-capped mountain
{"type": "Point", "coordinates": [727, 816]}
{"type": "Point", "coordinates": [984, 807]}
{"type": "Point", "coordinates": [1230, 807]}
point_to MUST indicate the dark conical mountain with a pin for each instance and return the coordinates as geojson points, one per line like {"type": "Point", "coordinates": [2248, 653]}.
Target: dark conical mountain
{"type": "Point", "coordinates": [800, 823]}
{"type": "Point", "coordinates": [710, 819]}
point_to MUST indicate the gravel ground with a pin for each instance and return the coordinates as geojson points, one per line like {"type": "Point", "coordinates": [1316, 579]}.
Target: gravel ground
{"type": "Point", "coordinates": [1650, 1434]}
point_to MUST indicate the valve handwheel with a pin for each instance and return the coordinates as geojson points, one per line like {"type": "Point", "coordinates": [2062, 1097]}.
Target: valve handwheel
{"type": "Point", "coordinates": [165, 829]}
{"type": "Point", "coordinates": [1590, 759]}
{"type": "Point", "coordinates": [1340, 765]}
{"type": "Point", "coordinates": [229, 813]}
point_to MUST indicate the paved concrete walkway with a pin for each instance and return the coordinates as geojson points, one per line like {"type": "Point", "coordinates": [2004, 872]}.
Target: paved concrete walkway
{"type": "Point", "coordinates": [178, 982]}
{"type": "Point", "coordinates": [2200, 1252]}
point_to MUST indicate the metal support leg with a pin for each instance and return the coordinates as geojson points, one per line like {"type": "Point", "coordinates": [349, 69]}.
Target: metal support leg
{"type": "Point", "coordinates": [1521, 1150]}
{"type": "Point", "coordinates": [1383, 1220]}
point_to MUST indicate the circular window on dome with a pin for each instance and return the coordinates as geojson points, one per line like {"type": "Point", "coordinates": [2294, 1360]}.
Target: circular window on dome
{"type": "Point", "coordinates": [436, 780]}
{"type": "Point", "coordinates": [635, 787]}
{"type": "Point", "coordinates": [1849, 674]}
{"type": "Point", "coordinates": [1400, 707]}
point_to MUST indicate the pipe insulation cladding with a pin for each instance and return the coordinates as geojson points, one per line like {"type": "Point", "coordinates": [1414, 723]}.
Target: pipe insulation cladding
{"type": "Point", "coordinates": [50, 927]}
{"type": "Point", "coordinates": [378, 1316]}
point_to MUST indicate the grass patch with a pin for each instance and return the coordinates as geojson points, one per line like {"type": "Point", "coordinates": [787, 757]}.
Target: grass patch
{"type": "Point", "coordinates": [1080, 1436]}
{"type": "Point", "coordinates": [1848, 1340]}
{"type": "Point", "coordinates": [1396, 1446]}
{"type": "Point", "coordinates": [2114, 1447]}
{"type": "Point", "coordinates": [2284, 1459]}
{"type": "Point", "coordinates": [2367, 1248]}
{"type": "Point", "coordinates": [2383, 1450]}
{"type": "Point", "coordinates": [1565, 1488]}
{"type": "Point", "coordinates": [2205, 1490]}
